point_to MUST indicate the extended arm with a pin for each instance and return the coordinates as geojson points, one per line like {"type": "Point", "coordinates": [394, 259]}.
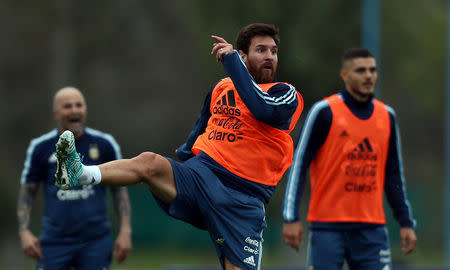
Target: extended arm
{"type": "Point", "coordinates": [30, 243]}
{"type": "Point", "coordinates": [312, 137]}
{"type": "Point", "coordinates": [274, 107]}
{"type": "Point", "coordinates": [121, 201]}
{"type": "Point", "coordinates": [395, 189]}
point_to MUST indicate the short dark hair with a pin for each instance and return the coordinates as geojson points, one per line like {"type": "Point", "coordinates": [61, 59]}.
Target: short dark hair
{"type": "Point", "coordinates": [244, 37]}
{"type": "Point", "coordinates": [353, 53]}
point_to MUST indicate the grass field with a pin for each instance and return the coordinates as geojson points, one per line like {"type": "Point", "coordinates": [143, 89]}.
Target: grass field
{"type": "Point", "coordinates": [142, 258]}
{"type": "Point", "coordinates": [163, 257]}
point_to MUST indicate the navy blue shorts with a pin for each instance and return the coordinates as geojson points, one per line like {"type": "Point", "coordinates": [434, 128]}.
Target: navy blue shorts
{"type": "Point", "coordinates": [234, 220]}
{"type": "Point", "coordinates": [366, 249]}
{"type": "Point", "coordinates": [93, 254]}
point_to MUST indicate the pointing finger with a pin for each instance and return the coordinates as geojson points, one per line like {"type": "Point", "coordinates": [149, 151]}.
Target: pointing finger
{"type": "Point", "coordinates": [219, 39]}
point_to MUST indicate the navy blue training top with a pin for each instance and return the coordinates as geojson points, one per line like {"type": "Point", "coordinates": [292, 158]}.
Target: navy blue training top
{"type": "Point", "coordinates": [70, 215]}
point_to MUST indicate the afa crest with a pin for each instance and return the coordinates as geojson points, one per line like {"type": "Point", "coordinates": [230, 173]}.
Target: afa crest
{"type": "Point", "coordinates": [220, 241]}
{"type": "Point", "coordinates": [94, 153]}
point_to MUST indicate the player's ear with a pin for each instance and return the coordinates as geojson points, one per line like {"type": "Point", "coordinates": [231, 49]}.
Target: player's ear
{"type": "Point", "coordinates": [343, 74]}
{"type": "Point", "coordinates": [243, 55]}
{"type": "Point", "coordinates": [55, 115]}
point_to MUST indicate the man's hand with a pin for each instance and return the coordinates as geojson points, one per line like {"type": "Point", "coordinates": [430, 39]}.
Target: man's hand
{"type": "Point", "coordinates": [221, 48]}
{"type": "Point", "coordinates": [122, 246]}
{"type": "Point", "coordinates": [30, 244]}
{"type": "Point", "coordinates": [409, 240]}
{"type": "Point", "coordinates": [293, 234]}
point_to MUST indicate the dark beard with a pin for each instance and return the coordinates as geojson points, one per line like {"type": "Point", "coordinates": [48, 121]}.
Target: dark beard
{"type": "Point", "coordinates": [259, 76]}
{"type": "Point", "coordinates": [361, 96]}
{"type": "Point", "coordinates": [368, 96]}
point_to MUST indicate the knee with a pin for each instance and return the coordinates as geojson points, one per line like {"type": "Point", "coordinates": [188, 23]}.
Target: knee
{"type": "Point", "coordinates": [148, 164]}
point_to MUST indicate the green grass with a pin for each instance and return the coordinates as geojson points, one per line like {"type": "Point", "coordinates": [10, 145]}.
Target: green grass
{"type": "Point", "coordinates": [142, 258]}
{"type": "Point", "coordinates": [157, 258]}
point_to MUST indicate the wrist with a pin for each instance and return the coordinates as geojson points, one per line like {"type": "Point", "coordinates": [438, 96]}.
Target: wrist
{"type": "Point", "coordinates": [23, 231]}
{"type": "Point", "coordinates": [125, 230]}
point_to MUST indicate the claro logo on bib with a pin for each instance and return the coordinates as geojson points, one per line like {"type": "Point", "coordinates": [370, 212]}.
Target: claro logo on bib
{"type": "Point", "coordinates": [361, 166]}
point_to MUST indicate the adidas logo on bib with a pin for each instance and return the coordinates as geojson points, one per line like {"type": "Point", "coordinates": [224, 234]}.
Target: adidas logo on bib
{"type": "Point", "coordinates": [250, 260]}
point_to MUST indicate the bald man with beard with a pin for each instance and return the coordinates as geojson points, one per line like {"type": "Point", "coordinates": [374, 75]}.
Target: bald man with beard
{"type": "Point", "coordinates": [65, 241]}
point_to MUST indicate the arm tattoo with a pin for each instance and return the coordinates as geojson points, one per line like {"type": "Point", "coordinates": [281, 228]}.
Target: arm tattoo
{"type": "Point", "coordinates": [27, 194]}
{"type": "Point", "coordinates": [121, 203]}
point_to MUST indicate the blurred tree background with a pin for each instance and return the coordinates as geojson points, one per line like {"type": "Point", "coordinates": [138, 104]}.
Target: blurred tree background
{"type": "Point", "coordinates": [145, 67]}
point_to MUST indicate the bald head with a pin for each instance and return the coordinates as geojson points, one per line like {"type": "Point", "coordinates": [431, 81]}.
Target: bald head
{"type": "Point", "coordinates": [69, 110]}
{"type": "Point", "coordinates": [64, 92]}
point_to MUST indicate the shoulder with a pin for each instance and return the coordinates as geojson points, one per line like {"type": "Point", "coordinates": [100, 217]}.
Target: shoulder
{"type": "Point", "coordinates": [335, 98]}
{"type": "Point", "coordinates": [390, 110]}
{"type": "Point", "coordinates": [282, 93]}
{"type": "Point", "coordinates": [101, 136]}
{"type": "Point", "coordinates": [381, 104]}
{"type": "Point", "coordinates": [43, 141]}
{"type": "Point", "coordinates": [222, 82]}
{"type": "Point", "coordinates": [392, 116]}
{"type": "Point", "coordinates": [46, 137]}
{"type": "Point", "coordinates": [319, 112]}
{"type": "Point", "coordinates": [320, 107]}
{"type": "Point", "coordinates": [281, 87]}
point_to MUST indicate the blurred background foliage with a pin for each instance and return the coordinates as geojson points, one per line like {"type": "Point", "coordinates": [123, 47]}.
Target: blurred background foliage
{"type": "Point", "coordinates": [145, 67]}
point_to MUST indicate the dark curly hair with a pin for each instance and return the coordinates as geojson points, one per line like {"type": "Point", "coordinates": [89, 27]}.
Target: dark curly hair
{"type": "Point", "coordinates": [244, 37]}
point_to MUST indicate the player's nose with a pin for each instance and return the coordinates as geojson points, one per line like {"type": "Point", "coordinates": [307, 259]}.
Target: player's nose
{"type": "Point", "coordinates": [269, 56]}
